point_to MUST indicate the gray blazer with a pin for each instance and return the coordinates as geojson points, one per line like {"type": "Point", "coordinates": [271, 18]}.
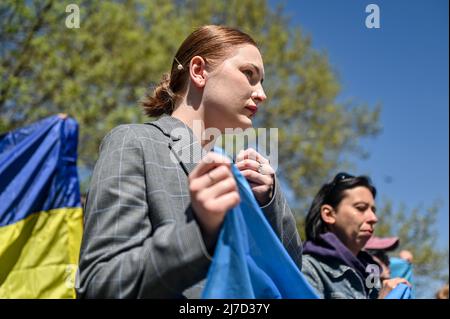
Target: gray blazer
{"type": "Point", "coordinates": [140, 236]}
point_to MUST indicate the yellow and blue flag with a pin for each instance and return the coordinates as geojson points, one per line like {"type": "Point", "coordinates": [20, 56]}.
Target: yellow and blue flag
{"type": "Point", "coordinates": [40, 210]}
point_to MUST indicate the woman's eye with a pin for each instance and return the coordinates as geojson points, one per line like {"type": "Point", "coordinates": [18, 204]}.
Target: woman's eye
{"type": "Point", "coordinates": [248, 73]}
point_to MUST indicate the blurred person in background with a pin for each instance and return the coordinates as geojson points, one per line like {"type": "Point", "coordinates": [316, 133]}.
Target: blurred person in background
{"type": "Point", "coordinates": [339, 223]}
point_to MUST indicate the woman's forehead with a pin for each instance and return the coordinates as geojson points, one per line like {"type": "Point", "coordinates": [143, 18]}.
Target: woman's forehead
{"type": "Point", "coordinates": [246, 54]}
{"type": "Point", "coordinates": [358, 194]}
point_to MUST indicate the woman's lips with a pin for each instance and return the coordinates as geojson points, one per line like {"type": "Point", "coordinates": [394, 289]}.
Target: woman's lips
{"type": "Point", "coordinates": [252, 109]}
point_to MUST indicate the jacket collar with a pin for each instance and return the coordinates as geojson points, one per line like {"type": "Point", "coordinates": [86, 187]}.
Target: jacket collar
{"type": "Point", "coordinates": [328, 246]}
{"type": "Point", "coordinates": [332, 267]}
{"type": "Point", "coordinates": [182, 141]}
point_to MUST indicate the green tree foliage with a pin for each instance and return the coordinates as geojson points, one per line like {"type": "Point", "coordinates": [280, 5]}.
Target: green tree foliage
{"type": "Point", "coordinates": [97, 73]}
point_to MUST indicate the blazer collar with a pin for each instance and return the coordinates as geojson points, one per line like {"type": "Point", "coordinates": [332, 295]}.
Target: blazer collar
{"type": "Point", "coordinates": [183, 143]}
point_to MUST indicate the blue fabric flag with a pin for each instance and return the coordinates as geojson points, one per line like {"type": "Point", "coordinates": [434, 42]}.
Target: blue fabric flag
{"type": "Point", "coordinates": [403, 269]}
{"type": "Point", "coordinates": [402, 291]}
{"type": "Point", "coordinates": [249, 259]}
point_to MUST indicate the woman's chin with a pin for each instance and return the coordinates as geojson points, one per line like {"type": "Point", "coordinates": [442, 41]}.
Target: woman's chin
{"type": "Point", "coordinates": [242, 122]}
{"type": "Point", "coordinates": [245, 122]}
{"type": "Point", "coordinates": [365, 235]}
{"type": "Point", "coordinates": [362, 240]}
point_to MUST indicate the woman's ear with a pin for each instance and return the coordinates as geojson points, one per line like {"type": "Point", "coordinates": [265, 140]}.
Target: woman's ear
{"type": "Point", "coordinates": [327, 214]}
{"type": "Point", "coordinates": [197, 71]}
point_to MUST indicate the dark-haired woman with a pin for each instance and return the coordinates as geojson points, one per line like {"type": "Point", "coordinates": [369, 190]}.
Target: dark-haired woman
{"type": "Point", "coordinates": [340, 221]}
{"type": "Point", "coordinates": [158, 196]}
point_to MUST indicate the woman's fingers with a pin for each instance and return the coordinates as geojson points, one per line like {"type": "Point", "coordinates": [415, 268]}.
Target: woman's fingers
{"type": "Point", "coordinates": [220, 188]}
{"type": "Point", "coordinates": [227, 201]}
{"type": "Point", "coordinates": [257, 178]}
{"type": "Point", "coordinates": [263, 169]}
{"type": "Point", "coordinates": [210, 161]}
{"type": "Point", "coordinates": [213, 191]}
{"type": "Point", "coordinates": [210, 178]}
{"type": "Point", "coordinates": [395, 281]}
{"type": "Point", "coordinates": [250, 153]}
{"type": "Point", "coordinates": [390, 284]}
{"type": "Point", "coordinates": [258, 172]}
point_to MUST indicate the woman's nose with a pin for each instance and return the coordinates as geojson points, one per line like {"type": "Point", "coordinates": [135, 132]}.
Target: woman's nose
{"type": "Point", "coordinates": [373, 219]}
{"type": "Point", "coordinates": [259, 96]}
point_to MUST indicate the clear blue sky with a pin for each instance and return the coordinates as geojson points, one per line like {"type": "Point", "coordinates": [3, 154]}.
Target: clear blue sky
{"type": "Point", "coordinates": [404, 66]}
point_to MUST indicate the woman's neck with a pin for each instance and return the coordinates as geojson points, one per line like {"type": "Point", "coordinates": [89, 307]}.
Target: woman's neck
{"type": "Point", "coordinates": [352, 247]}
{"type": "Point", "coordinates": [194, 119]}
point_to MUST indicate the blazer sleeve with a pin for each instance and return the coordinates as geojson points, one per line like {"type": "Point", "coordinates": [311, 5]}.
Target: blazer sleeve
{"type": "Point", "coordinates": [122, 254]}
{"type": "Point", "coordinates": [282, 220]}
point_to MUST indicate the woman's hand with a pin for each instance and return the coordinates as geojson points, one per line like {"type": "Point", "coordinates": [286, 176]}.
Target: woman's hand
{"type": "Point", "coordinates": [389, 285]}
{"type": "Point", "coordinates": [213, 191]}
{"type": "Point", "coordinates": [258, 172]}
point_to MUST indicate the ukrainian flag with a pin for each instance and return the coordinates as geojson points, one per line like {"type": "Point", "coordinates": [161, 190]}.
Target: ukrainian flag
{"type": "Point", "coordinates": [40, 210]}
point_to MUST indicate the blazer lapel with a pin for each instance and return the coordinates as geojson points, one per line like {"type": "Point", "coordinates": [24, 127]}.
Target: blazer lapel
{"type": "Point", "coordinates": [183, 144]}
